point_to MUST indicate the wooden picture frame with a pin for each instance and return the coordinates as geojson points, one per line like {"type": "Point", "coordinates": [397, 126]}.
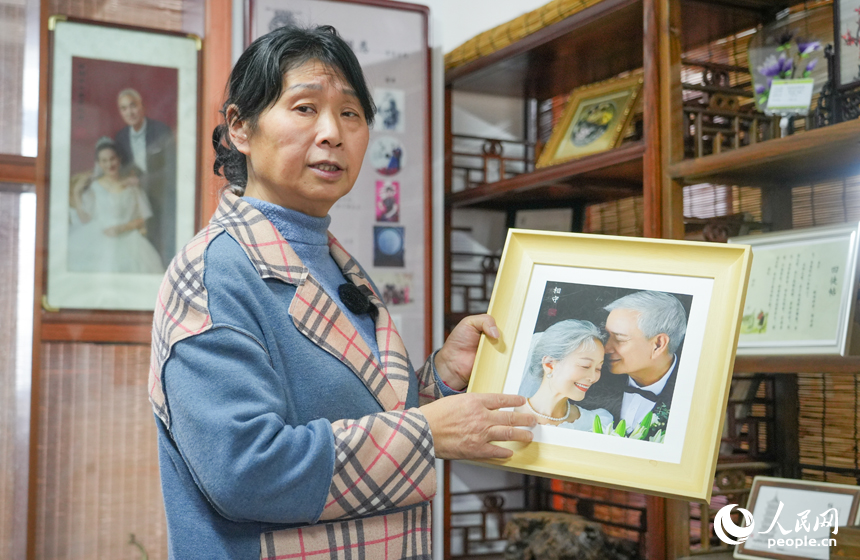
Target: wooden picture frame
{"type": "Point", "coordinates": [783, 501]}
{"type": "Point", "coordinates": [846, 44]}
{"type": "Point", "coordinates": [594, 119]}
{"type": "Point", "coordinates": [121, 204]}
{"type": "Point", "coordinates": [802, 291]}
{"type": "Point", "coordinates": [546, 278]}
{"type": "Point", "coordinates": [391, 42]}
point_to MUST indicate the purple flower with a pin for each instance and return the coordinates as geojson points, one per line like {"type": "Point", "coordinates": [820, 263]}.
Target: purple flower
{"type": "Point", "coordinates": [810, 66]}
{"type": "Point", "coordinates": [771, 66]}
{"type": "Point", "coordinates": [805, 48]}
{"type": "Point", "coordinates": [759, 89]}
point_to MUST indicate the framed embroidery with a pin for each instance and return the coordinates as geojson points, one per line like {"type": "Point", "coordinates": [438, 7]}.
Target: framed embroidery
{"type": "Point", "coordinates": [123, 161]}
{"type": "Point", "coordinates": [606, 337]}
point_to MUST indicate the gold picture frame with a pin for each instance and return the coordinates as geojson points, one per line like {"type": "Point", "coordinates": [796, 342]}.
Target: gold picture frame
{"type": "Point", "coordinates": [594, 119]}
{"type": "Point", "coordinates": [547, 277]}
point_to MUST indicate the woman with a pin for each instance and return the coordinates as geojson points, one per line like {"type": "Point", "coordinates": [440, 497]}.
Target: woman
{"type": "Point", "coordinates": [290, 421]}
{"type": "Point", "coordinates": [564, 363]}
{"type": "Point", "coordinates": [111, 213]}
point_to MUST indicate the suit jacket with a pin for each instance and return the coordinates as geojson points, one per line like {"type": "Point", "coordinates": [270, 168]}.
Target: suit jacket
{"type": "Point", "coordinates": [383, 472]}
{"type": "Point", "coordinates": [609, 392]}
{"type": "Point", "coordinates": [159, 183]}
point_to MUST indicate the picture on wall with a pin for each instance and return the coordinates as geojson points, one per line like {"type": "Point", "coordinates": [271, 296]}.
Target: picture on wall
{"type": "Point", "coordinates": [123, 162]}
{"type": "Point", "coordinates": [623, 348]}
{"type": "Point", "coordinates": [593, 121]}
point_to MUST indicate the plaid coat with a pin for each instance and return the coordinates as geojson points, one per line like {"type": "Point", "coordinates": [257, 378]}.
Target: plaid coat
{"type": "Point", "coordinates": [383, 461]}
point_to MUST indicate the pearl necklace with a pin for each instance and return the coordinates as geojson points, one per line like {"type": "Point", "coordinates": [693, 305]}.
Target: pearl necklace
{"type": "Point", "coordinates": [529, 404]}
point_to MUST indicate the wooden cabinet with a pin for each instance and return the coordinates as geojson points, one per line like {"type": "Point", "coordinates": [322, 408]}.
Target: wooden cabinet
{"type": "Point", "coordinates": [667, 40]}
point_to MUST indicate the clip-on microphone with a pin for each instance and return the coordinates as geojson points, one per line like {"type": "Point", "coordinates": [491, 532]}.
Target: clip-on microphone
{"type": "Point", "coordinates": [356, 301]}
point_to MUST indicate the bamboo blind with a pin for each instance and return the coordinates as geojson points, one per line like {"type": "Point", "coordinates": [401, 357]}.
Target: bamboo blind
{"type": "Point", "coordinates": [503, 35]}
{"type": "Point", "coordinates": [832, 202]}
{"type": "Point", "coordinates": [97, 477]}
{"type": "Point", "coordinates": [9, 217]}
{"type": "Point", "coordinates": [167, 15]}
{"type": "Point", "coordinates": [828, 433]}
{"type": "Point", "coordinates": [13, 17]}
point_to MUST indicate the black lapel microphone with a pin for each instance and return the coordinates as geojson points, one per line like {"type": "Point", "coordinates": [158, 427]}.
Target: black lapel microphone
{"type": "Point", "coordinates": [356, 301]}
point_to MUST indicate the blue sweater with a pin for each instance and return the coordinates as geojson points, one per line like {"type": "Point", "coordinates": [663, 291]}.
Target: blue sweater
{"type": "Point", "coordinates": [251, 402]}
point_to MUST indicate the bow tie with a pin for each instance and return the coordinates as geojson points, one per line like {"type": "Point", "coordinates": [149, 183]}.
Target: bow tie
{"type": "Point", "coordinates": [645, 394]}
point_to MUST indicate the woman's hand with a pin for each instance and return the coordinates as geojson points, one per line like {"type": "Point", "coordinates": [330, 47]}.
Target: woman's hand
{"type": "Point", "coordinates": [455, 359]}
{"type": "Point", "coordinates": [464, 425]}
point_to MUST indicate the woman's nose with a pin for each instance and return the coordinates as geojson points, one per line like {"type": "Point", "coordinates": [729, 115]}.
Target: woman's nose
{"type": "Point", "coordinates": [328, 131]}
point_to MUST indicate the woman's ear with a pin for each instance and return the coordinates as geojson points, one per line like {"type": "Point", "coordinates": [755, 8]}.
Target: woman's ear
{"type": "Point", "coordinates": [238, 129]}
{"type": "Point", "coordinates": [547, 363]}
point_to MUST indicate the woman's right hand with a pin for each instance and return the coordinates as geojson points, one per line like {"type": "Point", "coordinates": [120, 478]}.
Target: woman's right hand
{"type": "Point", "coordinates": [464, 425]}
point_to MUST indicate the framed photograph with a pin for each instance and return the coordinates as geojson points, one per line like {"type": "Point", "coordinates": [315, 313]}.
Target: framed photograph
{"type": "Point", "coordinates": [846, 23]}
{"type": "Point", "coordinates": [605, 336]}
{"type": "Point", "coordinates": [593, 121]}
{"type": "Point", "coordinates": [123, 161]}
{"type": "Point", "coordinates": [802, 291]}
{"type": "Point", "coordinates": [385, 221]}
{"type": "Point", "coordinates": [796, 519]}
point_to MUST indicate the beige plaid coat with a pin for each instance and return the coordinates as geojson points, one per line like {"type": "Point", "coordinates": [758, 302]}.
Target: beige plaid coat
{"type": "Point", "coordinates": [383, 461]}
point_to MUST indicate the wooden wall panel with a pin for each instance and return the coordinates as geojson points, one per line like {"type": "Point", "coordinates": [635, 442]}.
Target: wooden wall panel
{"type": "Point", "coordinates": [9, 210]}
{"type": "Point", "coordinates": [97, 474]}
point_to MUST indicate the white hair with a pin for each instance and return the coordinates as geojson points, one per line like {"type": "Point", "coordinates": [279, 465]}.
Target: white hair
{"type": "Point", "coordinates": [559, 340]}
{"type": "Point", "coordinates": [130, 92]}
{"type": "Point", "coordinates": [659, 313]}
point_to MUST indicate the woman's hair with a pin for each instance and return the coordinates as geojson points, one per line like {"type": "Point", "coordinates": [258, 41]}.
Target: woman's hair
{"type": "Point", "coordinates": [104, 143]}
{"type": "Point", "coordinates": [257, 81]}
{"type": "Point", "coordinates": [558, 341]}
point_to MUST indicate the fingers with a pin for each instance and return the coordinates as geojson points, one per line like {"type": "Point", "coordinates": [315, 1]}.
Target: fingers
{"type": "Point", "coordinates": [494, 401]}
{"type": "Point", "coordinates": [507, 433]}
{"type": "Point", "coordinates": [483, 323]}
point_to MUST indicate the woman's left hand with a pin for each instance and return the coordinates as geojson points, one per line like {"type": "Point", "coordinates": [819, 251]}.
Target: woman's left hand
{"type": "Point", "coordinates": [455, 359]}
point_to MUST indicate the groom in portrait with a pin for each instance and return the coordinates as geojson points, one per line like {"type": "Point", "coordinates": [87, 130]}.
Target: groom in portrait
{"type": "Point", "coordinates": [645, 330]}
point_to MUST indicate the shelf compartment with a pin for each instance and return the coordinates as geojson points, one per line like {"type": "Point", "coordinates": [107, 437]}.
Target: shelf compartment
{"type": "Point", "coordinates": [609, 175]}
{"type": "Point", "coordinates": [801, 159]}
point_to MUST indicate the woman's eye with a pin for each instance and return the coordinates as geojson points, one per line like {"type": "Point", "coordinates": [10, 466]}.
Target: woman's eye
{"type": "Point", "coordinates": [304, 109]}
{"type": "Point", "coordinates": [350, 114]}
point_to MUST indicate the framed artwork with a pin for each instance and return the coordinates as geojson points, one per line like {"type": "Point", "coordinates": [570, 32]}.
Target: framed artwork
{"type": "Point", "coordinates": [123, 161]}
{"type": "Point", "coordinates": [593, 121]}
{"type": "Point", "coordinates": [802, 291]}
{"type": "Point", "coordinates": [846, 23]}
{"type": "Point", "coordinates": [605, 336]}
{"type": "Point", "coordinates": [385, 221]}
{"type": "Point", "coordinates": [796, 519]}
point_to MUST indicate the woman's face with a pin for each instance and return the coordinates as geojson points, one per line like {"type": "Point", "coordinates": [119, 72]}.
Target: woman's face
{"type": "Point", "coordinates": [306, 150]}
{"type": "Point", "coordinates": [575, 373]}
{"type": "Point", "coordinates": [108, 162]}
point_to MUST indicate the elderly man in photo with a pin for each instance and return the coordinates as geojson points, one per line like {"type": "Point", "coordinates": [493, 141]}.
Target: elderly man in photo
{"type": "Point", "coordinates": [645, 330]}
{"type": "Point", "coordinates": [149, 145]}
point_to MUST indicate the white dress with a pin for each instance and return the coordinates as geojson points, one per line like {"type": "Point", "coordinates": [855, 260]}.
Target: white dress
{"type": "Point", "coordinates": [90, 250]}
{"type": "Point", "coordinates": [585, 422]}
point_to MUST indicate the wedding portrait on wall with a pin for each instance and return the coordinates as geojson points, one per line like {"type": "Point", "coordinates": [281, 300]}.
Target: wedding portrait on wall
{"type": "Point", "coordinates": [123, 162]}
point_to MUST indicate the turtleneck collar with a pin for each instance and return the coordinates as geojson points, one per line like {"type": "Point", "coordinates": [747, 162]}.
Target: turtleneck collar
{"type": "Point", "coordinates": [295, 226]}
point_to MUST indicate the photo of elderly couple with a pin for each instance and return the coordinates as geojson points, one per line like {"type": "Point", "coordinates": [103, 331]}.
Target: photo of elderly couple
{"type": "Point", "coordinates": [122, 189]}
{"type": "Point", "coordinates": [605, 359]}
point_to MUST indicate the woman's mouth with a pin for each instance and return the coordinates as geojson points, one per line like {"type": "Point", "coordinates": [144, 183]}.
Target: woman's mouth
{"type": "Point", "coordinates": [327, 169]}
{"type": "Point", "coordinates": [582, 387]}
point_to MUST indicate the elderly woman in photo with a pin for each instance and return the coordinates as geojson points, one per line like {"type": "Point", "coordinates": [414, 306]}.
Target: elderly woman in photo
{"type": "Point", "coordinates": [564, 363]}
{"type": "Point", "coordinates": [291, 423]}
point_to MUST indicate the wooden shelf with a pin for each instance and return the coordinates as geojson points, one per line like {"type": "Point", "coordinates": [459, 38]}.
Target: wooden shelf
{"type": "Point", "coordinates": [800, 159]}
{"type": "Point", "coordinates": [111, 327]}
{"type": "Point", "coordinates": [605, 176]}
{"type": "Point", "coordinates": [595, 44]}
{"type": "Point", "coordinates": [797, 364]}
